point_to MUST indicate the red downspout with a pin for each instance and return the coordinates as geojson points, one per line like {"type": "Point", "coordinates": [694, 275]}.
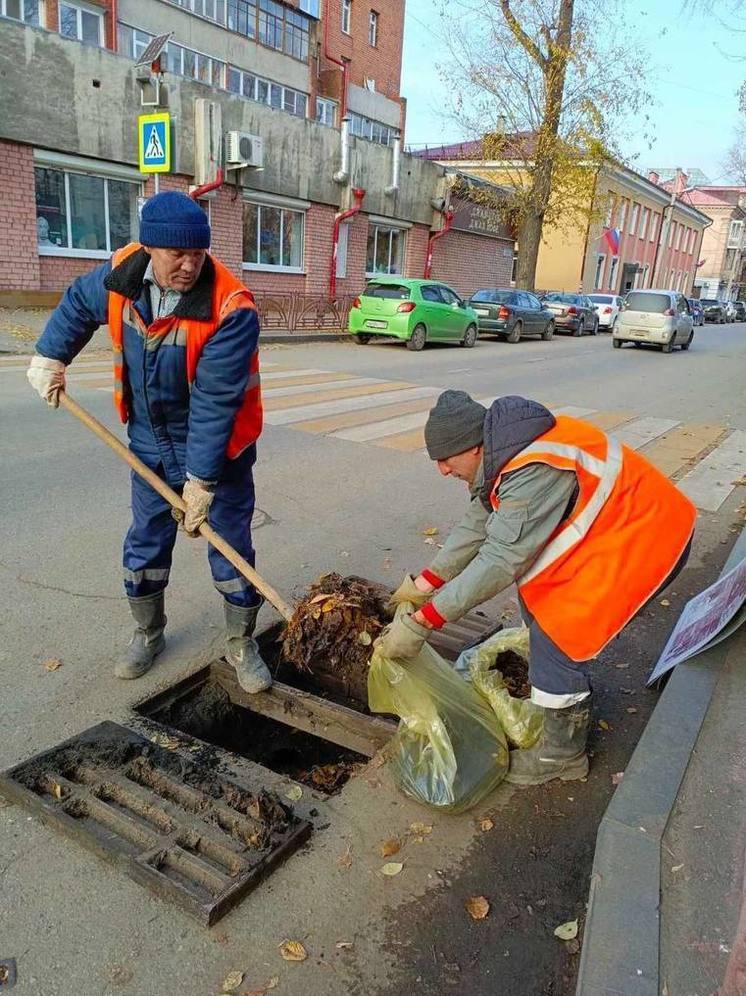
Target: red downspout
{"type": "Point", "coordinates": [358, 194]}
{"type": "Point", "coordinates": [344, 66]}
{"type": "Point", "coordinates": [207, 187]}
{"type": "Point", "coordinates": [434, 236]}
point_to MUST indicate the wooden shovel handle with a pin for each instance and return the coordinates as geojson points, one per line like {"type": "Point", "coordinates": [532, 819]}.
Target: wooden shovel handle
{"type": "Point", "coordinates": [176, 501]}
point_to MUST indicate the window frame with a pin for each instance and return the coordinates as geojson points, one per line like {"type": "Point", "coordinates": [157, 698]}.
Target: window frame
{"type": "Point", "coordinates": [644, 222]}
{"type": "Point", "coordinates": [40, 19]}
{"type": "Point", "coordinates": [70, 251]}
{"type": "Point", "coordinates": [270, 267]}
{"type": "Point", "coordinates": [613, 267]}
{"type": "Point", "coordinates": [600, 269]}
{"type": "Point", "coordinates": [373, 28]}
{"type": "Point", "coordinates": [402, 233]}
{"type": "Point", "coordinates": [654, 219]}
{"type": "Point", "coordinates": [634, 218]}
{"type": "Point", "coordinates": [623, 208]}
{"type": "Point", "coordinates": [347, 17]}
{"type": "Point", "coordinates": [80, 9]}
{"type": "Point", "coordinates": [329, 104]}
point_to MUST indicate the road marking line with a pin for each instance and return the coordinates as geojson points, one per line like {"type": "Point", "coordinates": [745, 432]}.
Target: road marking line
{"type": "Point", "coordinates": [347, 419]}
{"type": "Point", "coordinates": [349, 404]}
{"type": "Point", "coordinates": [387, 427]}
{"type": "Point", "coordinates": [286, 392]}
{"type": "Point", "coordinates": [307, 403]}
{"type": "Point", "coordinates": [298, 381]}
{"type": "Point", "coordinates": [610, 420]}
{"type": "Point", "coordinates": [406, 442]}
{"type": "Point", "coordinates": [311, 371]}
{"type": "Point", "coordinates": [711, 481]}
{"type": "Point", "coordinates": [676, 450]}
{"type": "Point", "coordinates": [573, 411]}
{"type": "Point", "coordinates": [643, 430]}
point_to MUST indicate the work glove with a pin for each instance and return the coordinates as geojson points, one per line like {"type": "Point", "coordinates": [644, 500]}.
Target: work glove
{"type": "Point", "coordinates": [402, 639]}
{"type": "Point", "coordinates": [47, 377]}
{"type": "Point", "coordinates": [197, 497]}
{"type": "Point", "coordinates": [409, 592]}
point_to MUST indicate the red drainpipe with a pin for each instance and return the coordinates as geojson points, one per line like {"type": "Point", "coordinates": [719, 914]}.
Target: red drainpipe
{"type": "Point", "coordinates": [207, 187]}
{"type": "Point", "coordinates": [358, 194]}
{"type": "Point", "coordinates": [344, 66]}
{"type": "Point", "coordinates": [447, 222]}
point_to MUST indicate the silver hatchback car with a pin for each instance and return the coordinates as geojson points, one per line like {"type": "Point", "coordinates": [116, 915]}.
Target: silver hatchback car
{"type": "Point", "coordinates": [660, 317]}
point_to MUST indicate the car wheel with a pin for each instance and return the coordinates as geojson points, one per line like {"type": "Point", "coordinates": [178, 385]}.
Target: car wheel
{"type": "Point", "coordinates": [470, 337]}
{"type": "Point", "coordinates": [687, 344]}
{"type": "Point", "coordinates": [614, 325]}
{"type": "Point", "coordinates": [668, 346]}
{"type": "Point", "coordinates": [418, 338]}
{"type": "Point", "coordinates": [548, 332]}
{"type": "Point", "coordinates": [638, 345]}
{"type": "Point", "coordinates": [617, 343]}
{"type": "Point", "coordinates": [515, 333]}
{"type": "Point", "coordinates": [362, 339]}
{"type": "Point", "coordinates": [594, 328]}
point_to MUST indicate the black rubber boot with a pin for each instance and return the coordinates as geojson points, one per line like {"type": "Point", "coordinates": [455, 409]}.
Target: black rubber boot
{"type": "Point", "coordinates": [148, 640]}
{"type": "Point", "coordinates": [242, 650]}
{"type": "Point", "coordinates": [559, 752]}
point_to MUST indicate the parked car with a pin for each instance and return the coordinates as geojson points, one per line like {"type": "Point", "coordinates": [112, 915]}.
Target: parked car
{"type": "Point", "coordinates": [659, 317]}
{"type": "Point", "coordinates": [698, 312]}
{"type": "Point", "coordinates": [730, 311]}
{"type": "Point", "coordinates": [607, 307]}
{"type": "Point", "coordinates": [713, 309]}
{"type": "Point", "coordinates": [417, 311]}
{"type": "Point", "coordinates": [511, 314]}
{"type": "Point", "coordinates": [740, 307]}
{"type": "Point", "coordinates": [572, 312]}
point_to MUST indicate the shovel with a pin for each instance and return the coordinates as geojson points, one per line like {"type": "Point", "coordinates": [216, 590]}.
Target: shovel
{"type": "Point", "coordinates": [176, 501]}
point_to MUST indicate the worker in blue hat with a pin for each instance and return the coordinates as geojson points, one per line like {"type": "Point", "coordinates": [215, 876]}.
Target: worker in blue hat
{"type": "Point", "coordinates": [184, 332]}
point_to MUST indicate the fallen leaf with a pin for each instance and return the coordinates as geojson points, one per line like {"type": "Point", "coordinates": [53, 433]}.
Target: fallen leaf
{"type": "Point", "coordinates": [477, 907]}
{"type": "Point", "coordinates": [232, 982]}
{"type": "Point", "coordinates": [421, 829]}
{"type": "Point", "coordinates": [294, 793]}
{"type": "Point", "coordinates": [57, 791]}
{"type": "Point", "coordinates": [665, 601]}
{"type": "Point", "coordinates": [390, 846]}
{"type": "Point", "coordinates": [572, 946]}
{"type": "Point", "coordinates": [487, 824]}
{"type": "Point", "coordinates": [430, 541]}
{"type": "Point", "coordinates": [343, 944]}
{"type": "Point", "coordinates": [365, 638]}
{"type": "Point", "coordinates": [329, 605]}
{"type": "Point", "coordinates": [617, 778]}
{"type": "Point", "coordinates": [430, 531]}
{"type": "Point", "coordinates": [345, 860]}
{"type": "Point", "coordinates": [631, 710]}
{"type": "Point", "coordinates": [319, 598]}
{"type": "Point", "coordinates": [52, 663]}
{"type": "Point", "coordinates": [603, 724]}
{"type": "Point", "coordinates": [392, 868]}
{"type": "Point", "coordinates": [566, 931]}
{"type": "Point", "coordinates": [273, 982]}
{"type": "Point", "coordinates": [293, 951]}
{"type": "Point", "coordinates": [677, 868]}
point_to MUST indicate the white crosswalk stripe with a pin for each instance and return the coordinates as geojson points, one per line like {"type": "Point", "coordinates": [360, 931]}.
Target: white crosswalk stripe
{"type": "Point", "coordinates": [317, 409]}
{"type": "Point", "coordinates": [712, 480]}
{"type": "Point", "coordinates": [643, 430]}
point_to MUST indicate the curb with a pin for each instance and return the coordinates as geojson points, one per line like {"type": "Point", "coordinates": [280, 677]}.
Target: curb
{"type": "Point", "coordinates": [275, 340]}
{"type": "Point", "coordinates": [621, 944]}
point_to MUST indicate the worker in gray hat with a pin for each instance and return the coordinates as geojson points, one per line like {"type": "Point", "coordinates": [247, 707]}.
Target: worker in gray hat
{"type": "Point", "coordinates": [574, 519]}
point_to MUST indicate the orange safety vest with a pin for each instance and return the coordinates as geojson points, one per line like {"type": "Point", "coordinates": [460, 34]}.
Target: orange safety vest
{"type": "Point", "coordinates": [228, 294]}
{"type": "Point", "coordinates": [625, 534]}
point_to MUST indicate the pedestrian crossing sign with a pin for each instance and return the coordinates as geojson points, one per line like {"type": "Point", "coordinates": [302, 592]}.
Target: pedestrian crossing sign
{"type": "Point", "coordinates": [154, 141]}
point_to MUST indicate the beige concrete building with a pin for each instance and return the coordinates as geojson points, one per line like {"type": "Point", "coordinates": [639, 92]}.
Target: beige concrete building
{"type": "Point", "coordinates": [720, 273]}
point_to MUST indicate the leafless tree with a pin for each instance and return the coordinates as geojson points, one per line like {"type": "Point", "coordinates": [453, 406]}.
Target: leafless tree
{"type": "Point", "coordinates": [734, 163]}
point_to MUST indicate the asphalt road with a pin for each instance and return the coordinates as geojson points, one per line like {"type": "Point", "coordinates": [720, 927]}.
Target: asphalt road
{"type": "Point", "coordinates": [344, 487]}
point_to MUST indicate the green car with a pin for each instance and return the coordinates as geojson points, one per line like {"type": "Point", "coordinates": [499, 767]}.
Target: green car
{"type": "Point", "coordinates": [417, 311]}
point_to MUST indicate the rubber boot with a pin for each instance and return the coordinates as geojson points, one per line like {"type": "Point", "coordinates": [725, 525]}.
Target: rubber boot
{"type": "Point", "coordinates": [559, 752]}
{"type": "Point", "coordinates": [148, 640]}
{"type": "Point", "coordinates": [242, 650]}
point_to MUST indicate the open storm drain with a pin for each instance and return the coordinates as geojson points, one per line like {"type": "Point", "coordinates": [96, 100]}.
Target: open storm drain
{"type": "Point", "coordinates": [173, 825]}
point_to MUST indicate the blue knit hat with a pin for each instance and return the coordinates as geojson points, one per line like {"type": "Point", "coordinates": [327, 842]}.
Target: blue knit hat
{"type": "Point", "coordinates": [172, 220]}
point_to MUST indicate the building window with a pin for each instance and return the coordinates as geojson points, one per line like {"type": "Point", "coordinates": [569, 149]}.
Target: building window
{"type": "Point", "coordinates": [612, 272]}
{"type": "Point", "coordinates": [193, 65]}
{"type": "Point", "coordinates": [270, 24]}
{"type": "Point", "coordinates": [671, 235]}
{"type": "Point", "coordinates": [84, 214]}
{"type": "Point", "coordinates": [326, 111]}
{"type": "Point", "coordinates": [734, 235]}
{"type": "Point", "coordinates": [296, 35]}
{"type": "Point", "coordinates": [344, 235]}
{"type": "Point", "coordinates": [373, 28]}
{"type": "Point", "coordinates": [310, 7]}
{"type": "Point", "coordinates": [385, 250]}
{"type": "Point", "coordinates": [610, 204]}
{"type": "Point", "coordinates": [346, 15]}
{"type": "Point", "coordinates": [275, 26]}
{"type": "Point", "coordinates": [514, 267]}
{"type": "Point", "coordinates": [85, 24]}
{"type": "Point", "coordinates": [644, 223]}
{"type": "Point", "coordinates": [678, 236]}
{"type": "Point", "coordinates": [272, 237]}
{"type": "Point", "coordinates": [654, 226]}
{"type": "Point", "coordinates": [242, 17]}
{"type": "Point", "coordinates": [27, 11]}
{"type": "Point", "coordinates": [373, 131]}
{"type": "Point", "coordinates": [282, 98]}
{"type": "Point", "coordinates": [623, 214]}
{"type": "Point", "coordinates": [600, 265]}
{"type": "Point", "coordinates": [633, 219]}
{"type": "Point", "coordinates": [131, 41]}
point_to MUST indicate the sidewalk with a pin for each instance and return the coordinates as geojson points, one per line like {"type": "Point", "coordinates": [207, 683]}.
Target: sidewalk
{"type": "Point", "coordinates": [667, 911]}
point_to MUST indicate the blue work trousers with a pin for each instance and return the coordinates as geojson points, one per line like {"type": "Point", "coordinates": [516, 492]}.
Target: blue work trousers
{"type": "Point", "coordinates": [149, 543]}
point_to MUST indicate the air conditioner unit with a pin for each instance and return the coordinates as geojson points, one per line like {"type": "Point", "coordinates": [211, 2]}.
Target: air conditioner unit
{"type": "Point", "coordinates": [243, 149]}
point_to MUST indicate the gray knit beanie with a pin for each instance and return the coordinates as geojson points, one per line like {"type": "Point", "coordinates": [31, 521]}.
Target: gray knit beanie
{"type": "Point", "coordinates": [454, 425]}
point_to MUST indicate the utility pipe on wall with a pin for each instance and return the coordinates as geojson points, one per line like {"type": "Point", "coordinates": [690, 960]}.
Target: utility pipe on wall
{"type": "Point", "coordinates": [343, 174]}
{"type": "Point", "coordinates": [393, 188]}
{"type": "Point", "coordinates": [434, 236]}
{"type": "Point", "coordinates": [341, 216]}
{"type": "Point", "coordinates": [344, 66]}
{"type": "Point", "coordinates": [207, 187]}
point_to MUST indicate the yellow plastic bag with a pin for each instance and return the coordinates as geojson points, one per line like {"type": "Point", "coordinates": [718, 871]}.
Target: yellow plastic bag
{"type": "Point", "coordinates": [520, 718]}
{"type": "Point", "coordinates": [449, 751]}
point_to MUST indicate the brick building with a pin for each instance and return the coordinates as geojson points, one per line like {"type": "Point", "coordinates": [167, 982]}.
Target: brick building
{"type": "Point", "coordinates": [319, 87]}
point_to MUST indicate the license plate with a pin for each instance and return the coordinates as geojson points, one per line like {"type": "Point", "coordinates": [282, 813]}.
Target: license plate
{"type": "Point", "coordinates": [482, 311]}
{"type": "Point", "coordinates": [375, 325]}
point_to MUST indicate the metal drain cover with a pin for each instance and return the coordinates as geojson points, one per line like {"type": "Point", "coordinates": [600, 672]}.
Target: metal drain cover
{"type": "Point", "coordinates": [173, 825]}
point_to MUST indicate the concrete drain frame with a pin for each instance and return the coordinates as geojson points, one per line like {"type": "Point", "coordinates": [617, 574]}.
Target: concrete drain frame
{"type": "Point", "coordinates": [175, 826]}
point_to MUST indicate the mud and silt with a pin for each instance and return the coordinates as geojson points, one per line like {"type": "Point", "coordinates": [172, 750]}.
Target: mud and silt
{"type": "Point", "coordinates": [514, 670]}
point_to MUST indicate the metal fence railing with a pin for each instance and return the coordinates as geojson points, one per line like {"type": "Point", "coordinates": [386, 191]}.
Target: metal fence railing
{"type": "Point", "coordinates": [303, 312]}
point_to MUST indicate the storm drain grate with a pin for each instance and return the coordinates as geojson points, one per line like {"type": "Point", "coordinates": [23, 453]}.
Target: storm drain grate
{"type": "Point", "coordinates": [173, 825]}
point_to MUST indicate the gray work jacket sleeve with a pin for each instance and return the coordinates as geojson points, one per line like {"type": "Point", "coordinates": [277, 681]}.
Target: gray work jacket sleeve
{"type": "Point", "coordinates": [533, 501]}
{"type": "Point", "coordinates": [462, 543]}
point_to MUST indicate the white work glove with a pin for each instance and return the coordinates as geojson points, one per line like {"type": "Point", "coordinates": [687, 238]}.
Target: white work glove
{"type": "Point", "coordinates": [409, 592]}
{"type": "Point", "coordinates": [402, 639]}
{"type": "Point", "coordinates": [198, 498]}
{"type": "Point", "coordinates": [47, 377]}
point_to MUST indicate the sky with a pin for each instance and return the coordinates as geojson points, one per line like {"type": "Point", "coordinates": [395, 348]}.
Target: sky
{"type": "Point", "coordinates": [693, 75]}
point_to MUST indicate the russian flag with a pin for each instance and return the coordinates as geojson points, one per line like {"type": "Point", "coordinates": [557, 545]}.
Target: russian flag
{"type": "Point", "coordinates": [611, 237]}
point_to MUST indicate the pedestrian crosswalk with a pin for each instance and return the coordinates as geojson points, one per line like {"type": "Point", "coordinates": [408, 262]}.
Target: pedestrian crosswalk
{"type": "Point", "coordinates": [707, 461]}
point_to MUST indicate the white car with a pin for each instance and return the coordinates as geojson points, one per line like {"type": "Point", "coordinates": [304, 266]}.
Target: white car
{"type": "Point", "coordinates": [660, 317]}
{"type": "Point", "coordinates": [607, 308]}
